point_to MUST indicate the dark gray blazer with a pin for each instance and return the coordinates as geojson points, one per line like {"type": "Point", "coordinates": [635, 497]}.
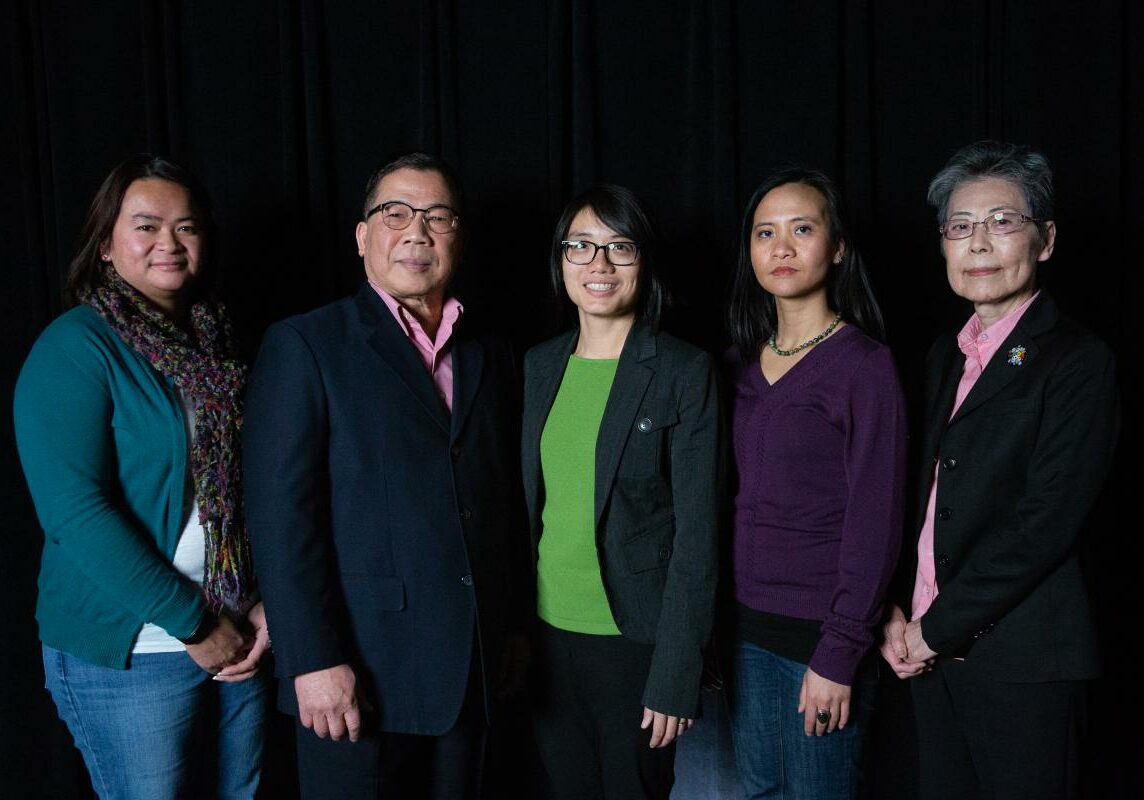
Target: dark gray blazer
{"type": "Point", "coordinates": [658, 476]}
{"type": "Point", "coordinates": [1020, 464]}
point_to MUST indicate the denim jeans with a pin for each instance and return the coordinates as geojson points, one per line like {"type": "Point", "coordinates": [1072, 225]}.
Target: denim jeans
{"type": "Point", "coordinates": [145, 732]}
{"type": "Point", "coordinates": [774, 756]}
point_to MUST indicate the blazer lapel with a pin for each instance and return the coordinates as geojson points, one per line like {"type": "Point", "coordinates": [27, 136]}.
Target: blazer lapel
{"type": "Point", "coordinates": [633, 374]}
{"type": "Point", "coordinates": [468, 360]}
{"type": "Point", "coordinates": [541, 385]}
{"type": "Point", "coordinates": [389, 342]}
{"type": "Point", "coordinates": [999, 372]}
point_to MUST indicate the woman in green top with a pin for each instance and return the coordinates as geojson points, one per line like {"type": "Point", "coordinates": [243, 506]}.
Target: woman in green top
{"type": "Point", "coordinates": [127, 416]}
{"type": "Point", "coordinates": [620, 452]}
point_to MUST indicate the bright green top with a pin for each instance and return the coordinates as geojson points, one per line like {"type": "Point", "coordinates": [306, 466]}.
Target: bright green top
{"type": "Point", "coordinates": [570, 589]}
{"type": "Point", "coordinates": [103, 442]}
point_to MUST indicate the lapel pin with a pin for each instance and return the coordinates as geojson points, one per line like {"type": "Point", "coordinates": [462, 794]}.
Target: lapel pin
{"type": "Point", "coordinates": [1017, 356]}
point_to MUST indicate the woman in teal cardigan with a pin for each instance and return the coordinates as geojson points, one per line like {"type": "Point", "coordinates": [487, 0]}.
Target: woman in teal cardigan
{"type": "Point", "coordinates": [127, 416]}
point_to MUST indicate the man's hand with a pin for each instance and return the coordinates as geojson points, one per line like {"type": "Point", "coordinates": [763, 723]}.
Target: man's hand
{"type": "Point", "coordinates": [819, 693]}
{"type": "Point", "coordinates": [248, 667]}
{"type": "Point", "coordinates": [894, 649]}
{"type": "Point", "coordinates": [665, 729]}
{"type": "Point", "coordinates": [225, 645]}
{"type": "Point", "coordinates": [919, 650]}
{"type": "Point", "coordinates": [328, 702]}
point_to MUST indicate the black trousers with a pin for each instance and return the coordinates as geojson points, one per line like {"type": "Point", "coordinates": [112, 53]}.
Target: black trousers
{"type": "Point", "coordinates": [587, 708]}
{"type": "Point", "coordinates": [983, 738]}
{"type": "Point", "coordinates": [399, 766]}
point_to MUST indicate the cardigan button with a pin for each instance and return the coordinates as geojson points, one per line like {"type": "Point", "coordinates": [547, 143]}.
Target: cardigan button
{"type": "Point", "coordinates": [644, 424]}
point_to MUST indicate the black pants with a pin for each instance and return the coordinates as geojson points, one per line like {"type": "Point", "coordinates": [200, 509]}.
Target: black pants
{"type": "Point", "coordinates": [401, 766]}
{"type": "Point", "coordinates": [587, 709]}
{"type": "Point", "coordinates": [983, 738]}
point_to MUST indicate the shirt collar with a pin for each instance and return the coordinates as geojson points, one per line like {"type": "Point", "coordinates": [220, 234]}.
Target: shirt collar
{"type": "Point", "coordinates": [980, 343]}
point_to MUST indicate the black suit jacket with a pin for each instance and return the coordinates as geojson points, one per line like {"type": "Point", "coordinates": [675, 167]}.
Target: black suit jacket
{"type": "Point", "coordinates": [387, 532]}
{"type": "Point", "coordinates": [658, 457]}
{"type": "Point", "coordinates": [1019, 467]}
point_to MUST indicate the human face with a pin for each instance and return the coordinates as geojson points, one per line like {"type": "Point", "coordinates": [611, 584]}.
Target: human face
{"type": "Point", "coordinates": [415, 264]}
{"type": "Point", "coordinates": [792, 248]}
{"type": "Point", "coordinates": [156, 241]}
{"type": "Point", "coordinates": [599, 289]}
{"type": "Point", "coordinates": [996, 273]}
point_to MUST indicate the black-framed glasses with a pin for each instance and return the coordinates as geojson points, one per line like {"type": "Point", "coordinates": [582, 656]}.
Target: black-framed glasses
{"type": "Point", "coordinates": [399, 216]}
{"type": "Point", "coordinates": [999, 223]}
{"type": "Point", "coordinates": [618, 254]}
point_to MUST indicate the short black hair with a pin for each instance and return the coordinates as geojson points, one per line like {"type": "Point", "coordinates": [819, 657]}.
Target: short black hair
{"type": "Point", "coordinates": [622, 211]}
{"type": "Point", "coordinates": [422, 162]}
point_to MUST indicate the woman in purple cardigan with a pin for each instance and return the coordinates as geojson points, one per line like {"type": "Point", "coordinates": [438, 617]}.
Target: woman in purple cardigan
{"type": "Point", "coordinates": [819, 436]}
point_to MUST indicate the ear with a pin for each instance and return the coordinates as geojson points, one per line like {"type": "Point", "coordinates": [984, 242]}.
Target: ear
{"type": "Point", "coordinates": [359, 234]}
{"type": "Point", "coordinates": [839, 252]}
{"type": "Point", "coordinates": [1050, 241]}
{"type": "Point", "coordinates": [104, 251]}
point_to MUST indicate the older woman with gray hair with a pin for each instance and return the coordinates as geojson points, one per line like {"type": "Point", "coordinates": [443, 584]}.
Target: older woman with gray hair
{"type": "Point", "coordinates": [994, 628]}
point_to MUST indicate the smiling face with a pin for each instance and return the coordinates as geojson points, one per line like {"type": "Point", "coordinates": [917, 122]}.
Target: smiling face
{"type": "Point", "coordinates": [997, 273]}
{"type": "Point", "coordinates": [598, 289]}
{"type": "Point", "coordinates": [414, 264]}
{"type": "Point", "coordinates": [792, 248]}
{"type": "Point", "coordinates": [156, 241]}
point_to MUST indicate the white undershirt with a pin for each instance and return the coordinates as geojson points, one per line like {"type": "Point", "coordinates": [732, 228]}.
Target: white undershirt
{"type": "Point", "coordinates": [189, 556]}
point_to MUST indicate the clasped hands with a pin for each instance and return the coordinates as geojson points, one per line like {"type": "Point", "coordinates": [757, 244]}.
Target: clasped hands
{"type": "Point", "coordinates": [903, 646]}
{"type": "Point", "coordinates": [231, 653]}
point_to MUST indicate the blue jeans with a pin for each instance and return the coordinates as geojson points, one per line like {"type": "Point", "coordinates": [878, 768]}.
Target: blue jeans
{"type": "Point", "coordinates": [774, 756]}
{"type": "Point", "coordinates": [145, 732]}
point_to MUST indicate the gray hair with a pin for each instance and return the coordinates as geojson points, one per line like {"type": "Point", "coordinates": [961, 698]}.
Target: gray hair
{"type": "Point", "coordinates": [1018, 164]}
{"type": "Point", "coordinates": [420, 162]}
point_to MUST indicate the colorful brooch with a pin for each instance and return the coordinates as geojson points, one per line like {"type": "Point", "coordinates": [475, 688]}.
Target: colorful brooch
{"type": "Point", "coordinates": [1017, 356]}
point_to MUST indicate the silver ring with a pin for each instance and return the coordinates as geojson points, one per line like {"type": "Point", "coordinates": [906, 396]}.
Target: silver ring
{"type": "Point", "coordinates": [823, 716]}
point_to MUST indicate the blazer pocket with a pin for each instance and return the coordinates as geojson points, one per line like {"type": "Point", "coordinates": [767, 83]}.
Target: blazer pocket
{"type": "Point", "coordinates": [655, 418]}
{"type": "Point", "coordinates": [646, 446]}
{"type": "Point", "coordinates": [652, 548]}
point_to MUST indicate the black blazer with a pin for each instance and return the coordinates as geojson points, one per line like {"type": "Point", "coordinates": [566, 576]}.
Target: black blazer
{"type": "Point", "coordinates": [386, 532]}
{"type": "Point", "coordinates": [657, 498]}
{"type": "Point", "coordinates": [1020, 466]}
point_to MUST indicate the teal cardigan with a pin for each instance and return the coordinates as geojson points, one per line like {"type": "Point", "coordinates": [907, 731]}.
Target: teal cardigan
{"type": "Point", "coordinates": [103, 443]}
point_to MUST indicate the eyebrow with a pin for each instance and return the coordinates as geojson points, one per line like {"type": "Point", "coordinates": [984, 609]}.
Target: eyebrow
{"type": "Point", "coordinates": [994, 210]}
{"type": "Point", "coordinates": [789, 219]}
{"type": "Point", "coordinates": [619, 236]}
{"type": "Point", "coordinates": [141, 215]}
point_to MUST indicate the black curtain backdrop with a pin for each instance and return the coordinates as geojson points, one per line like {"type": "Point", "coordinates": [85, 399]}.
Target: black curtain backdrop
{"type": "Point", "coordinates": [283, 108]}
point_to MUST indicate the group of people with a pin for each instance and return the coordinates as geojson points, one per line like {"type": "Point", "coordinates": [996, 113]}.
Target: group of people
{"type": "Point", "coordinates": [424, 529]}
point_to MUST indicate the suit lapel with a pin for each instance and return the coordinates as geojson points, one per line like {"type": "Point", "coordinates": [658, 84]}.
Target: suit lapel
{"type": "Point", "coordinates": [1000, 372]}
{"type": "Point", "coordinates": [633, 374]}
{"type": "Point", "coordinates": [389, 342]}
{"type": "Point", "coordinates": [468, 360]}
{"type": "Point", "coordinates": [541, 385]}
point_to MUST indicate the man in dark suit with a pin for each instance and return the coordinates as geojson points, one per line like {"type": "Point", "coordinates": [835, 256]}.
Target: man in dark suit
{"type": "Point", "coordinates": [383, 501]}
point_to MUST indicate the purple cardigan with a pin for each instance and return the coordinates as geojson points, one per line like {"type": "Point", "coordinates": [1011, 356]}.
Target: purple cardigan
{"type": "Point", "coordinates": [818, 506]}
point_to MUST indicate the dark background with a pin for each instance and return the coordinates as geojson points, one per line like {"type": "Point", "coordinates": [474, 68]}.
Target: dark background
{"type": "Point", "coordinates": [282, 109]}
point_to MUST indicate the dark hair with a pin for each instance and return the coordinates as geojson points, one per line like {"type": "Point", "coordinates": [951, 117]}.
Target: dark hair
{"type": "Point", "coordinates": [422, 162]}
{"type": "Point", "coordinates": [1018, 164]}
{"type": "Point", "coordinates": [621, 210]}
{"type": "Point", "coordinates": [753, 317]}
{"type": "Point", "coordinates": [84, 273]}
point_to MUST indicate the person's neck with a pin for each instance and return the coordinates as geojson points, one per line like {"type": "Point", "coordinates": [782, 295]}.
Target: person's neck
{"type": "Point", "coordinates": [800, 320]}
{"type": "Point", "coordinates": [992, 313]}
{"type": "Point", "coordinates": [427, 310]}
{"type": "Point", "coordinates": [603, 337]}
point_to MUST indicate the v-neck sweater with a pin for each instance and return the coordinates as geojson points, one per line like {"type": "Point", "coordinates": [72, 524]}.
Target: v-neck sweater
{"type": "Point", "coordinates": [820, 458]}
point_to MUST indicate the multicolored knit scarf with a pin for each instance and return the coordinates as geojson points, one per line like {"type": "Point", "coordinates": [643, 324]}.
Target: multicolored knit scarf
{"type": "Point", "coordinates": [202, 365]}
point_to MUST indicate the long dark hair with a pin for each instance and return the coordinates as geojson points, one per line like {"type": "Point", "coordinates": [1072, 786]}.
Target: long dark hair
{"type": "Point", "coordinates": [752, 315]}
{"type": "Point", "coordinates": [87, 266]}
{"type": "Point", "coordinates": [621, 210]}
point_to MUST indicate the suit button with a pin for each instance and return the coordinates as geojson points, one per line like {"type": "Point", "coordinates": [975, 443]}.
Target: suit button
{"type": "Point", "coordinates": [467, 580]}
{"type": "Point", "coordinates": [942, 560]}
{"type": "Point", "coordinates": [466, 514]}
{"type": "Point", "coordinates": [644, 424]}
{"type": "Point", "coordinates": [949, 463]}
{"type": "Point", "coordinates": [456, 451]}
{"type": "Point", "coordinates": [665, 552]}
{"type": "Point", "coordinates": [945, 513]}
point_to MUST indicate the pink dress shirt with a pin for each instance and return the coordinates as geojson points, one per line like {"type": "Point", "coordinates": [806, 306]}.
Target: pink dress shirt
{"type": "Point", "coordinates": [434, 353]}
{"type": "Point", "coordinates": [979, 346]}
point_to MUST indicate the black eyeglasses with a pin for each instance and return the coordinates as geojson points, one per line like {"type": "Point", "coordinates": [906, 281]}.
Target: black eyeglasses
{"type": "Point", "coordinates": [618, 254]}
{"type": "Point", "coordinates": [399, 216]}
{"type": "Point", "coordinates": [997, 224]}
